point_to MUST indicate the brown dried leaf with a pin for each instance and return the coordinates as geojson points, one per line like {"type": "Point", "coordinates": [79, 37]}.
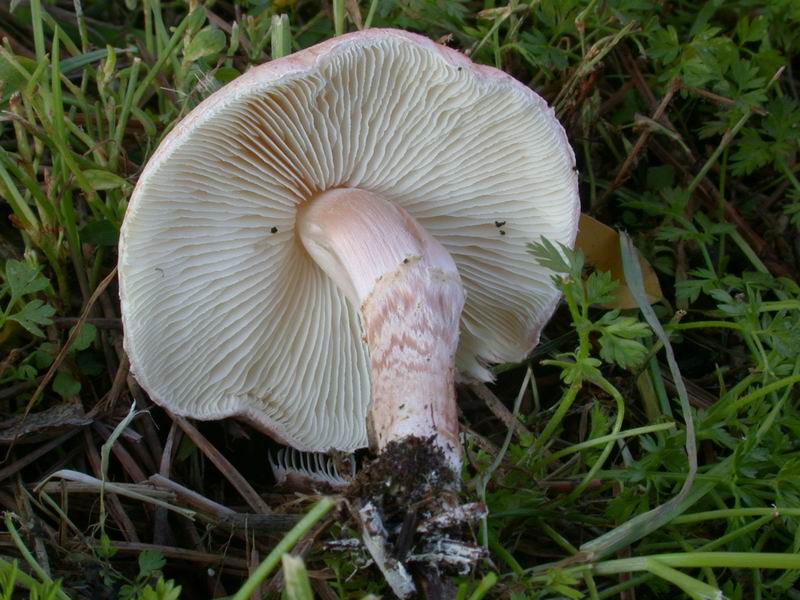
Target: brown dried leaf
{"type": "Point", "coordinates": [43, 424]}
{"type": "Point", "coordinates": [351, 6]}
{"type": "Point", "coordinates": [600, 244]}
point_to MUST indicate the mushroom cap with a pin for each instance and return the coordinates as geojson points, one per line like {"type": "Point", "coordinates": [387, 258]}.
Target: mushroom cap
{"type": "Point", "coordinates": [225, 314]}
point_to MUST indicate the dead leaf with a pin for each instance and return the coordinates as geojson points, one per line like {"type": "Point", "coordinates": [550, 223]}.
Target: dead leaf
{"type": "Point", "coordinates": [600, 244]}
{"type": "Point", "coordinates": [351, 6]}
{"type": "Point", "coordinates": [44, 424]}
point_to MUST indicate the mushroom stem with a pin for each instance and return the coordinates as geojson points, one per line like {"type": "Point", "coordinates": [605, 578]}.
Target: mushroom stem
{"type": "Point", "coordinates": [410, 297]}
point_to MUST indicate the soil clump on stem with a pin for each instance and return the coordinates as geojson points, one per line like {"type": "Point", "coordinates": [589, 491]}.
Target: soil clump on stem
{"type": "Point", "coordinates": [409, 476]}
{"type": "Point", "coordinates": [407, 501]}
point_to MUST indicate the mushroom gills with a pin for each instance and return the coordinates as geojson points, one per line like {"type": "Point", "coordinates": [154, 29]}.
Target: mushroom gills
{"type": "Point", "coordinates": [308, 471]}
{"type": "Point", "coordinates": [410, 298]}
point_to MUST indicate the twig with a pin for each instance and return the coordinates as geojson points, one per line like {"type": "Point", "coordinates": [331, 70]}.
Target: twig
{"type": "Point", "coordinates": [106, 487]}
{"type": "Point", "coordinates": [615, 99]}
{"type": "Point", "coordinates": [12, 357]}
{"type": "Point", "coordinates": [190, 497]}
{"type": "Point", "coordinates": [114, 504]}
{"type": "Point", "coordinates": [590, 60]}
{"type": "Point", "coordinates": [119, 382]}
{"type": "Point", "coordinates": [321, 587]}
{"type": "Point", "coordinates": [498, 409]}
{"type": "Point", "coordinates": [720, 99]}
{"type": "Point", "coordinates": [222, 514]}
{"type": "Point", "coordinates": [698, 397]}
{"type": "Point", "coordinates": [44, 424]}
{"type": "Point", "coordinates": [33, 455]}
{"type": "Point", "coordinates": [162, 532]}
{"type": "Point", "coordinates": [622, 174]}
{"type": "Point", "coordinates": [148, 427]}
{"type": "Point", "coordinates": [193, 556]}
{"type": "Point", "coordinates": [223, 464]}
{"type": "Point", "coordinates": [131, 467]}
{"type": "Point", "coordinates": [641, 86]}
{"type": "Point", "coordinates": [13, 391]}
{"type": "Point", "coordinates": [36, 530]}
{"type": "Point", "coordinates": [727, 138]}
{"type": "Point", "coordinates": [99, 322]}
{"type": "Point", "coordinates": [226, 27]}
{"type": "Point", "coordinates": [76, 487]}
{"type": "Point", "coordinates": [256, 522]}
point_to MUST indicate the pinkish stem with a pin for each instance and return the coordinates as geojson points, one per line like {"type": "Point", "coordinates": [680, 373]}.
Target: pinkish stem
{"type": "Point", "coordinates": [410, 298]}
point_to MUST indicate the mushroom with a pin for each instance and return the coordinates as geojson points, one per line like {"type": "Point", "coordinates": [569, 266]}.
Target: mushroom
{"type": "Point", "coordinates": [298, 250]}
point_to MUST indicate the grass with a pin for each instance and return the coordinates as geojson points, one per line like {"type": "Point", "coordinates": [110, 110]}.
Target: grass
{"type": "Point", "coordinates": [657, 450]}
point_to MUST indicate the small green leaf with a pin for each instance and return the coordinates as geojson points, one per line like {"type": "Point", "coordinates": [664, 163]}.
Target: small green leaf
{"type": "Point", "coordinates": [106, 549]}
{"type": "Point", "coordinates": [559, 259]}
{"type": "Point", "coordinates": [623, 352]}
{"type": "Point", "coordinates": [13, 80]}
{"type": "Point", "coordinates": [100, 233]}
{"type": "Point", "coordinates": [85, 337]}
{"type": "Point", "coordinates": [33, 314]}
{"type": "Point", "coordinates": [65, 385]}
{"type": "Point", "coordinates": [226, 74]}
{"type": "Point", "coordinates": [44, 355]}
{"type": "Point", "coordinates": [660, 177]}
{"type": "Point", "coordinates": [752, 31]}
{"type": "Point", "coordinates": [601, 288]}
{"type": "Point", "coordinates": [618, 337]}
{"type": "Point", "coordinates": [104, 180]}
{"type": "Point", "coordinates": [562, 584]}
{"type": "Point", "coordinates": [207, 42]}
{"type": "Point", "coordinates": [164, 590]}
{"type": "Point", "coordinates": [601, 424]}
{"type": "Point", "coordinates": [150, 562]}
{"type": "Point", "coordinates": [108, 67]}
{"type": "Point", "coordinates": [24, 278]}
{"type": "Point", "coordinates": [185, 449]}
{"type": "Point", "coordinates": [572, 371]}
{"type": "Point", "coordinates": [664, 45]}
{"type": "Point", "coordinates": [25, 373]}
{"type": "Point", "coordinates": [195, 18]}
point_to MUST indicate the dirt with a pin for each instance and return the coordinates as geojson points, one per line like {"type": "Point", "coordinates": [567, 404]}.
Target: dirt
{"type": "Point", "coordinates": [407, 475]}
{"type": "Point", "coordinates": [409, 481]}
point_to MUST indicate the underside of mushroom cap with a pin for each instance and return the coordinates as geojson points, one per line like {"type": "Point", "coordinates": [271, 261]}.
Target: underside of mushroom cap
{"type": "Point", "coordinates": [224, 311]}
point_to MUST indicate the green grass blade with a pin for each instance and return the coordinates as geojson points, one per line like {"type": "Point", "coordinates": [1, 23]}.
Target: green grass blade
{"type": "Point", "coordinates": [268, 565]}
{"type": "Point", "coordinates": [298, 586]}
{"type": "Point", "coordinates": [644, 524]}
